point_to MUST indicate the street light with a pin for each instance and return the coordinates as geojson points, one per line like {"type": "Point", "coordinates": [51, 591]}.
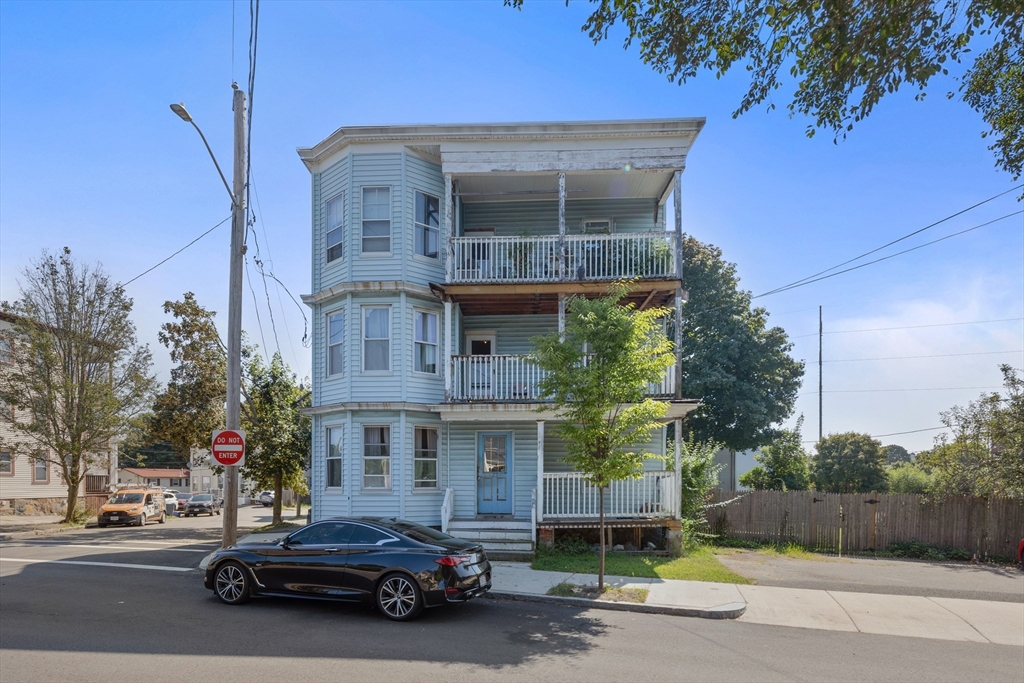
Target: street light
{"type": "Point", "coordinates": [234, 361]}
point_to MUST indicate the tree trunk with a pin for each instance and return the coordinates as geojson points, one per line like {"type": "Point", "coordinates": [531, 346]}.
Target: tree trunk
{"type": "Point", "coordinates": [298, 506]}
{"type": "Point", "coordinates": [600, 565]}
{"type": "Point", "coordinates": [69, 514]}
{"type": "Point", "coordinates": [277, 499]}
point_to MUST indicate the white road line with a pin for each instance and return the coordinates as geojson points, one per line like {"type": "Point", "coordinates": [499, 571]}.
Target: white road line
{"type": "Point", "coordinates": [178, 542]}
{"type": "Point", "coordinates": [100, 564]}
{"type": "Point", "coordinates": [105, 547]}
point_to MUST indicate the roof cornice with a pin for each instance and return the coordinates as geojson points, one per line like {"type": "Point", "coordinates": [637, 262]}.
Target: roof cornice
{"type": "Point", "coordinates": [548, 130]}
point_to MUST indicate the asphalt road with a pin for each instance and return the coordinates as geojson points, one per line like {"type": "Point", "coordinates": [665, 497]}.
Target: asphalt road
{"type": "Point", "coordinates": [73, 614]}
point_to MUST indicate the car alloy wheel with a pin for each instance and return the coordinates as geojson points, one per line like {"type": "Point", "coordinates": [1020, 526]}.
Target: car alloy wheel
{"type": "Point", "coordinates": [231, 584]}
{"type": "Point", "coordinates": [142, 519]}
{"type": "Point", "coordinates": [399, 598]}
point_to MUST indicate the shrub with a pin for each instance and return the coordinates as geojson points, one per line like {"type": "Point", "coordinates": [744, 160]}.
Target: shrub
{"type": "Point", "coordinates": [571, 545]}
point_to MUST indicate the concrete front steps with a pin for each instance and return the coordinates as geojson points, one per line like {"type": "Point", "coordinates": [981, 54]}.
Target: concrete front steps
{"type": "Point", "coordinates": [502, 539]}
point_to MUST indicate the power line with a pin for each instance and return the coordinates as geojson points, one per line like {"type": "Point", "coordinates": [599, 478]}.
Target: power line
{"type": "Point", "coordinates": [889, 244]}
{"type": "Point", "coordinates": [808, 280]}
{"type": "Point", "coordinates": [256, 307]}
{"type": "Point", "coordinates": [912, 431]}
{"type": "Point", "coordinates": [872, 391]}
{"type": "Point", "coordinates": [177, 252]}
{"type": "Point", "coordinates": [937, 355]}
{"type": "Point", "coordinates": [911, 327]}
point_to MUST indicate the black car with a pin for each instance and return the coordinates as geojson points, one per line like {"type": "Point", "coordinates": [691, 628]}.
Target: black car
{"type": "Point", "coordinates": [399, 566]}
{"type": "Point", "coordinates": [202, 504]}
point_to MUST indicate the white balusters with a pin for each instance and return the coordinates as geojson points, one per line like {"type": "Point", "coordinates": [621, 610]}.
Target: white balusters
{"type": "Point", "coordinates": [569, 495]}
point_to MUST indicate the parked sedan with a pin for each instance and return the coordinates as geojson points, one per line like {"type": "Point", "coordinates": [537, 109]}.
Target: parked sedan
{"type": "Point", "coordinates": [399, 566]}
{"type": "Point", "coordinates": [266, 498]}
{"type": "Point", "coordinates": [183, 499]}
{"type": "Point", "coordinates": [202, 504]}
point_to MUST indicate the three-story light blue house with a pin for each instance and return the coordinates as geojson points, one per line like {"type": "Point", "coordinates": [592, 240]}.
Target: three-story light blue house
{"type": "Point", "coordinates": [438, 252]}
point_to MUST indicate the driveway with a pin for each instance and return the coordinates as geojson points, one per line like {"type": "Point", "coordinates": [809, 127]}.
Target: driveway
{"type": "Point", "coordinates": [1004, 583]}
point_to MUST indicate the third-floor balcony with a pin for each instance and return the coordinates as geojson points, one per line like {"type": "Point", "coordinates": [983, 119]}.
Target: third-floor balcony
{"type": "Point", "coordinates": [585, 258]}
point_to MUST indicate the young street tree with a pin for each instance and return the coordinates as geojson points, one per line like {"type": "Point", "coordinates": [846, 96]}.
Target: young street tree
{"type": "Point", "coordinates": [736, 364]}
{"type": "Point", "coordinates": [849, 463]}
{"type": "Point", "coordinates": [78, 374]}
{"type": "Point", "coordinates": [783, 465]}
{"type": "Point", "coordinates": [596, 375]}
{"type": "Point", "coordinates": [844, 57]}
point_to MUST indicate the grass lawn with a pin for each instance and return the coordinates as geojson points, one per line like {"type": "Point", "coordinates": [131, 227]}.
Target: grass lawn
{"type": "Point", "coordinates": [697, 565]}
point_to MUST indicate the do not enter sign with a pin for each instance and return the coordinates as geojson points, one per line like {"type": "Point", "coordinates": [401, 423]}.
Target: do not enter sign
{"type": "Point", "coordinates": [228, 447]}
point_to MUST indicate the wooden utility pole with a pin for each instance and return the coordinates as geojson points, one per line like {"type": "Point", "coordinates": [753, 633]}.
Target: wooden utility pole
{"type": "Point", "coordinates": [820, 401]}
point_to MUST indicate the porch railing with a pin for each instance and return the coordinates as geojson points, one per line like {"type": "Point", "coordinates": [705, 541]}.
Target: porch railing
{"type": "Point", "coordinates": [587, 257]}
{"type": "Point", "coordinates": [512, 377]}
{"type": "Point", "coordinates": [570, 495]}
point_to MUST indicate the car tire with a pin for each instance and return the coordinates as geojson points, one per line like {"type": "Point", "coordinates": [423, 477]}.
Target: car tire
{"type": "Point", "coordinates": [101, 525]}
{"type": "Point", "coordinates": [163, 518]}
{"type": "Point", "coordinates": [231, 583]}
{"type": "Point", "coordinates": [218, 513]}
{"type": "Point", "coordinates": [142, 519]}
{"type": "Point", "coordinates": [399, 598]}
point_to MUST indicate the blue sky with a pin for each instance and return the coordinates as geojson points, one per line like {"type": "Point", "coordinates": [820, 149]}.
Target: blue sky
{"type": "Point", "coordinates": [92, 158]}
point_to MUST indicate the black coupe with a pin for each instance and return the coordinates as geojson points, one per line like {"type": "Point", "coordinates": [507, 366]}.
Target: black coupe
{"type": "Point", "coordinates": [399, 566]}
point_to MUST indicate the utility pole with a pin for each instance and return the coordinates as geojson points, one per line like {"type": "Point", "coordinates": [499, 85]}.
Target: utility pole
{"type": "Point", "coordinates": [820, 402]}
{"type": "Point", "coordinates": [234, 393]}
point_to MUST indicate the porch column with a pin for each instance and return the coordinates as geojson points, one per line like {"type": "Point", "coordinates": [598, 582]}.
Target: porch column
{"type": "Point", "coordinates": [540, 470]}
{"type": "Point", "coordinates": [561, 316]}
{"type": "Point", "coordinates": [677, 182]}
{"type": "Point", "coordinates": [562, 260]}
{"type": "Point", "coordinates": [679, 467]}
{"type": "Point", "coordinates": [447, 350]}
{"type": "Point", "coordinates": [449, 230]}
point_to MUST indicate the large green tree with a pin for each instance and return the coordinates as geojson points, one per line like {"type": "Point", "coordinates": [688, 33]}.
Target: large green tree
{"type": "Point", "coordinates": [733, 361]}
{"type": "Point", "coordinates": [78, 374]}
{"type": "Point", "coordinates": [596, 376]}
{"type": "Point", "coordinates": [783, 465]}
{"type": "Point", "coordinates": [849, 463]}
{"type": "Point", "coordinates": [843, 56]}
{"type": "Point", "coordinates": [277, 433]}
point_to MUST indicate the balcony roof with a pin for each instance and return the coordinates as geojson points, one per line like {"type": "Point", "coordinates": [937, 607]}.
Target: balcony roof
{"type": "Point", "coordinates": [542, 297]}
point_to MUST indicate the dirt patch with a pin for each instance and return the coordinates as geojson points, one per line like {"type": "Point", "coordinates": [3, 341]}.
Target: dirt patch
{"type": "Point", "coordinates": [610, 594]}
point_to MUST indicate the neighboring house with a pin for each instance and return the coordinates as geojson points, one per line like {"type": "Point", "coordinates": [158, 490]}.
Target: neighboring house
{"type": "Point", "coordinates": [164, 478]}
{"type": "Point", "coordinates": [206, 480]}
{"type": "Point", "coordinates": [36, 486]}
{"type": "Point", "coordinates": [439, 251]}
{"type": "Point", "coordinates": [733, 465]}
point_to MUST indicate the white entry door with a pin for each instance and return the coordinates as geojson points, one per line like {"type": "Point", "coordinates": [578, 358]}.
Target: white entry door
{"type": "Point", "coordinates": [481, 365]}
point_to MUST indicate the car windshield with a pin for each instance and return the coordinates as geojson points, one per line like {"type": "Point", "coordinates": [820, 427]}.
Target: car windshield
{"type": "Point", "coordinates": [417, 532]}
{"type": "Point", "coordinates": [202, 498]}
{"type": "Point", "coordinates": [184, 496]}
{"type": "Point", "coordinates": [125, 498]}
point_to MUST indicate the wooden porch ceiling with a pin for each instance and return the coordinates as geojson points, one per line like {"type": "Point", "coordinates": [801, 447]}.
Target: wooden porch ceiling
{"type": "Point", "coordinates": [542, 297]}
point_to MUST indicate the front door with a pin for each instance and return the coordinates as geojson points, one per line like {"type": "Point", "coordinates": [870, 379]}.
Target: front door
{"type": "Point", "coordinates": [494, 473]}
{"type": "Point", "coordinates": [481, 365]}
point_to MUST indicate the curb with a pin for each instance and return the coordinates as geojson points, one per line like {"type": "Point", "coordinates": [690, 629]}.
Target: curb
{"type": "Point", "coordinates": [12, 535]}
{"type": "Point", "coordinates": [731, 610]}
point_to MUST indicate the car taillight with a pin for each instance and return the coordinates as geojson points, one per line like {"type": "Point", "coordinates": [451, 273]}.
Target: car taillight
{"type": "Point", "coordinates": [453, 560]}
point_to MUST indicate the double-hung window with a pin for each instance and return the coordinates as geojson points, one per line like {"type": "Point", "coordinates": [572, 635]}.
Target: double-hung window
{"type": "Point", "coordinates": [6, 463]}
{"type": "Point", "coordinates": [425, 458]}
{"type": "Point", "coordinates": [425, 342]}
{"type": "Point", "coordinates": [334, 460]}
{"type": "Point", "coordinates": [40, 469]}
{"type": "Point", "coordinates": [376, 456]}
{"type": "Point", "coordinates": [376, 207]}
{"type": "Point", "coordinates": [335, 343]}
{"type": "Point", "coordinates": [427, 224]}
{"type": "Point", "coordinates": [335, 228]}
{"type": "Point", "coordinates": [376, 338]}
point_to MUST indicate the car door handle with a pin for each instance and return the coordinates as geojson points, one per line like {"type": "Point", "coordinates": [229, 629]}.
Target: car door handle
{"type": "Point", "coordinates": [330, 550]}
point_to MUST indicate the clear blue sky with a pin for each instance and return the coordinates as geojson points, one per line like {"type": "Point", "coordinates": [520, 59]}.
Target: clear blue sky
{"type": "Point", "coordinates": [92, 158]}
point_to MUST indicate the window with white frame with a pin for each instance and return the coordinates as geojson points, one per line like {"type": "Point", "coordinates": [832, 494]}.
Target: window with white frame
{"type": "Point", "coordinates": [425, 458]}
{"type": "Point", "coordinates": [5, 350]}
{"type": "Point", "coordinates": [335, 343]}
{"type": "Point", "coordinates": [427, 224]}
{"type": "Point", "coordinates": [376, 209]}
{"type": "Point", "coordinates": [376, 456]}
{"type": "Point", "coordinates": [335, 210]}
{"type": "Point", "coordinates": [376, 338]}
{"type": "Point", "coordinates": [6, 463]}
{"type": "Point", "coordinates": [40, 469]}
{"type": "Point", "coordinates": [334, 435]}
{"type": "Point", "coordinates": [425, 342]}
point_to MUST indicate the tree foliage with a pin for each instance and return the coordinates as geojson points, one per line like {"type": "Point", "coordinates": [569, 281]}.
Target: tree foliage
{"type": "Point", "coordinates": [596, 377]}
{"type": "Point", "coordinates": [783, 464]}
{"type": "Point", "coordinates": [736, 364]}
{"type": "Point", "coordinates": [699, 476]}
{"type": "Point", "coordinates": [78, 375]}
{"type": "Point", "coordinates": [984, 454]}
{"type": "Point", "coordinates": [277, 433]}
{"type": "Point", "coordinates": [906, 477]}
{"type": "Point", "coordinates": [895, 453]}
{"type": "Point", "coordinates": [843, 56]}
{"type": "Point", "coordinates": [849, 463]}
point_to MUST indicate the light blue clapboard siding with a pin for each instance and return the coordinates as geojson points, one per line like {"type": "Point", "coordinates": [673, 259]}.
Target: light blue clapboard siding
{"type": "Point", "coordinates": [376, 170]}
{"type": "Point", "coordinates": [464, 467]}
{"type": "Point", "coordinates": [513, 332]}
{"type": "Point", "coordinates": [555, 451]}
{"type": "Point", "coordinates": [373, 387]}
{"type": "Point", "coordinates": [426, 177]}
{"type": "Point", "coordinates": [423, 505]}
{"type": "Point", "coordinates": [420, 387]}
{"type": "Point", "coordinates": [541, 217]}
{"type": "Point", "coordinates": [333, 182]}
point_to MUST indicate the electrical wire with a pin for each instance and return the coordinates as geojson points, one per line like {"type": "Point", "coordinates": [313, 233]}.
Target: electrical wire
{"type": "Point", "coordinates": [937, 355]}
{"type": "Point", "coordinates": [909, 327]}
{"type": "Point", "coordinates": [872, 391]}
{"type": "Point", "coordinates": [256, 306]}
{"type": "Point", "coordinates": [125, 284]}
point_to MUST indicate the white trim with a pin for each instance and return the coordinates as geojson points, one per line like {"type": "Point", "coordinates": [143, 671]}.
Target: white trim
{"type": "Point", "coordinates": [415, 224]}
{"type": "Point", "coordinates": [362, 458]}
{"type": "Point", "coordinates": [363, 308]}
{"type": "Point", "coordinates": [330, 263]}
{"type": "Point", "coordinates": [436, 344]}
{"type": "Point", "coordinates": [363, 219]}
{"type": "Point", "coordinates": [327, 453]}
{"type": "Point", "coordinates": [510, 469]}
{"type": "Point", "coordinates": [437, 459]}
{"type": "Point", "coordinates": [327, 342]}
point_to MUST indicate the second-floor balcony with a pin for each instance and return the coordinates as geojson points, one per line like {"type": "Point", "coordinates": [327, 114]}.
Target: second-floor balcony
{"type": "Point", "coordinates": [594, 258]}
{"type": "Point", "coordinates": [514, 378]}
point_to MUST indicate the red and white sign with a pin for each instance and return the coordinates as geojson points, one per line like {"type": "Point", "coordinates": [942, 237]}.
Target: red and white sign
{"type": "Point", "coordinates": [228, 447]}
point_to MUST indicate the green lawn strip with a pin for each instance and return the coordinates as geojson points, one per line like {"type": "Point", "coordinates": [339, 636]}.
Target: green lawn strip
{"type": "Point", "coordinates": [697, 565]}
{"type": "Point", "coordinates": [611, 594]}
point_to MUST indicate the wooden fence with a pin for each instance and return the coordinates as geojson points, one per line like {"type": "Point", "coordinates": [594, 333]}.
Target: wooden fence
{"type": "Point", "coordinates": [871, 521]}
